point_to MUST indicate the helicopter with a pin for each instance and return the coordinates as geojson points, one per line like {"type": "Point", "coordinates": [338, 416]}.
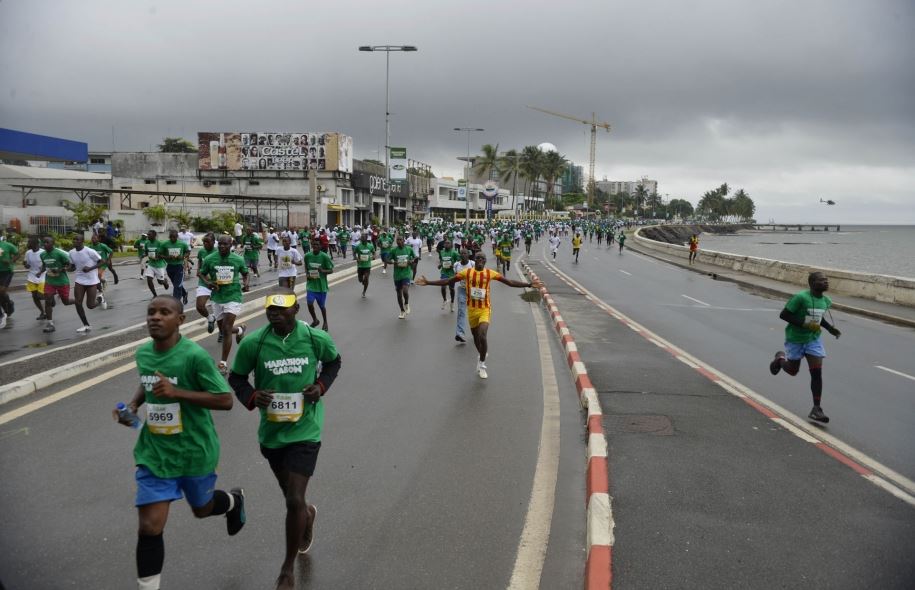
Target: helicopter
{"type": "Point", "coordinates": [828, 201]}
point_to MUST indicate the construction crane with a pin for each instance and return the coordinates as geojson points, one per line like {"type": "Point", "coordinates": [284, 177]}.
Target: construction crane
{"type": "Point", "coordinates": [594, 123]}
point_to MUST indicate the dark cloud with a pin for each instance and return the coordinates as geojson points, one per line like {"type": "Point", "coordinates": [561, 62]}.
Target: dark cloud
{"type": "Point", "coordinates": [762, 94]}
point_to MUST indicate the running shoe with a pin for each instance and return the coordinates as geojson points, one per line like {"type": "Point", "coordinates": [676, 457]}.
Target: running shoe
{"type": "Point", "coordinates": [817, 414]}
{"type": "Point", "coordinates": [211, 325]}
{"type": "Point", "coordinates": [452, 307]}
{"type": "Point", "coordinates": [459, 339]}
{"type": "Point", "coordinates": [408, 309]}
{"type": "Point", "coordinates": [384, 271]}
{"type": "Point", "coordinates": [49, 328]}
{"type": "Point", "coordinates": [223, 368]}
{"type": "Point", "coordinates": [776, 365]}
{"type": "Point", "coordinates": [309, 537]}
{"type": "Point", "coordinates": [482, 371]}
{"type": "Point", "coordinates": [84, 330]}
{"type": "Point", "coordinates": [41, 317]}
{"type": "Point", "coordinates": [235, 518]}
{"type": "Point", "coordinates": [402, 315]}
{"type": "Point", "coordinates": [184, 297]}
{"type": "Point", "coordinates": [240, 333]}
{"type": "Point", "coordinates": [104, 303]}
{"type": "Point", "coordinates": [443, 305]}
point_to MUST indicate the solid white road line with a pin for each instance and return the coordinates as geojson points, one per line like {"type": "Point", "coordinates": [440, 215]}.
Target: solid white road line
{"type": "Point", "coordinates": [624, 272]}
{"type": "Point", "coordinates": [696, 300]}
{"type": "Point", "coordinates": [535, 536]}
{"type": "Point", "coordinates": [894, 372]}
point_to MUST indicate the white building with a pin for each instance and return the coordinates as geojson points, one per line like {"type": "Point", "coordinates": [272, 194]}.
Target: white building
{"type": "Point", "coordinates": [446, 203]}
{"type": "Point", "coordinates": [616, 187]}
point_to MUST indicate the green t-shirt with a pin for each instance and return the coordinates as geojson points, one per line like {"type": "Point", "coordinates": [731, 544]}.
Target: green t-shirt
{"type": "Point", "coordinates": [194, 451]}
{"type": "Point", "coordinates": [140, 245]}
{"type": "Point", "coordinates": [173, 252]}
{"type": "Point", "coordinates": [505, 249]}
{"type": "Point", "coordinates": [154, 254]}
{"type": "Point", "coordinates": [385, 242]}
{"type": "Point", "coordinates": [286, 366]}
{"type": "Point", "coordinates": [364, 254]}
{"type": "Point", "coordinates": [807, 308]}
{"type": "Point", "coordinates": [343, 237]}
{"type": "Point", "coordinates": [57, 262]}
{"type": "Point", "coordinates": [448, 258]}
{"type": "Point", "coordinates": [317, 280]}
{"type": "Point", "coordinates": [202, 255]}
{"type": "Point", "coordinates": [105, 252]}
{"type": "Point", "coordinates": [402, 258]}
{"type": "Point", "coordinates": [252, 245]}
{"type": "Point", "coordinates": [224, 271]}
{"type": "Point", "coordinates": [7, 251]}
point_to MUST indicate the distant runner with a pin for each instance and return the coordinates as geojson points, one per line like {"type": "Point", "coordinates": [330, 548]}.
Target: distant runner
{"type": "Point", "coordinates": [805, 313]}
{"type": "Point", "coordinates": [576, 245]}
{"type": "Point", "coordinates": [402, 256]}
{"type": "Point", "coordinates": [693, 248]}
{"type": "Point", "coordinates": [220, 273]}
{"type": "Point", "coordinates": [365, 253]}
{"type": "Point", "coordinates": [318, 265]}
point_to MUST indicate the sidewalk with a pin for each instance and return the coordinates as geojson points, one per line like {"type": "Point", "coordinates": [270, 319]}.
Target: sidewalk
{"type": "Point", "coordinates": [709, 491]}
{"type": "Point", "coordinates": [889, 312]}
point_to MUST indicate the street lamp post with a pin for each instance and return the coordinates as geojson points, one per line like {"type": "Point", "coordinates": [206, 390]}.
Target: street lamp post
{"type": "Point", "coordinates": [469, 130]}
{"type": "Point", "coordinates": [385, 214]}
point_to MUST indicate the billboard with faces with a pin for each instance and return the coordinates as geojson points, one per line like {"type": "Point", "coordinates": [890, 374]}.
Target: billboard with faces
{"type": "Point", "coordinates": [274, 151]}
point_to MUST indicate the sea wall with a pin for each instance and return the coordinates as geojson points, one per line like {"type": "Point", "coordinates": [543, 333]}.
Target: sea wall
{"type": "Point", "coordinates": [669, 240]}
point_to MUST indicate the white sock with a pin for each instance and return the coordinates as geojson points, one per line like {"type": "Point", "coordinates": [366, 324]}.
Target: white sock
{"type": "Point", "coordinates": [231, 502]}
{"type": "Point", "coordinates": [149, 582]}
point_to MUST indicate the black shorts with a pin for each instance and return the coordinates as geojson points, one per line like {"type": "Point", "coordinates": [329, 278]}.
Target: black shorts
{"type": "Point", "coordinates": [299, 458]}
{"type": "Point", "coordinates": [6, 277]}
{"type": "Point", "coordinates": [363, 272]}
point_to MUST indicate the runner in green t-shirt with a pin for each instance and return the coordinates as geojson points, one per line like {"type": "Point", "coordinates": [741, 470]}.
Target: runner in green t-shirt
{"type": "Point", "coordinates": [318, 265]}
{"type": "Point", "coordinates": [203, 292]}
{"type": "Point", "coordinates": [55, 262]}
{"type": "Point", "coordinates": [505, 253]}
{"type": "Point", "coordinates": [385, 243]}
{"type": "Point", "coordinates": [284, 357]}
{"type": "Point", "coordinates": [252, 244]}
{"type": "Point", "coordinates": [365, 253]}
{"type": "Point", "coordinates": [178, 449]}
{"type": "Point", "coordinates": [155, 263]}
{"type": "Point", "coordinates": [343, 237]}
{"type": "Point", "coordinates": [402, 258]}
{"type": "Point", "coordinates": [107, 264]}
{"type": "Point", "coordinates": [9, 252]}
{"type": "Point", "coordinates": [140, 246]}
{"type": "Point", "coordinates": [175, 253]}
{"type": "Point", "coordinates": [220, 273]}
{"type": "Point", "coordinates": [805, 315]}
{"type": "Point", "coordinates": [447, 258]}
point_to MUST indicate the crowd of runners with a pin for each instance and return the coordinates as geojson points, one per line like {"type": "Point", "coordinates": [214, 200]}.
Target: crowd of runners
{"type": "Point", "coordinates": [284, 369]}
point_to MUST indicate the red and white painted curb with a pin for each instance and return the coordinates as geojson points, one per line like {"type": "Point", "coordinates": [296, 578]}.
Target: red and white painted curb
{"type": "Point", "coordinates": [598, 567]}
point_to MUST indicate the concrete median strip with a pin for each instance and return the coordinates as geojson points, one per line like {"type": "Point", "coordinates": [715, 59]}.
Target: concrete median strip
{"type": "Point", "coordinates": [29, 385]}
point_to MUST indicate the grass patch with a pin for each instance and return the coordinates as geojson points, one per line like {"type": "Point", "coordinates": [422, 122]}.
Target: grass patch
{"type": "Point", "coordinates": [531, 296]}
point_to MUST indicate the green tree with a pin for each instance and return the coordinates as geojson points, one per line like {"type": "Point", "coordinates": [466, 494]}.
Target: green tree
{"type": "Point", "coordinates": [552, 167]}
{"type": "Point", "coordinates": [85, 214]}
{"type": "Point", "coordinates": [743, 206]}
{"type": "Point", "coordinates": [680, 208]}
{"type": "Point", "coordinates": [640, 196]}
{"type": "Point", "coordinates": [654, 204]}
{"type": "Point", "coordinates": [155, 214]}
{"type": "Point", "coordinates": [177, 145]}
{"type": "Point", "coordinates": [224, 221]}
{"type": "Point", "coordinates": [487, 163]}
{"type": "Point", "coordinates": [530, 166]}
{"type": "Point", "coordinates": [179, 216]}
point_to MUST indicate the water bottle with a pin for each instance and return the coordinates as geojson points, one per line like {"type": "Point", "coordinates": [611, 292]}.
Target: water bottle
{"type": "Point", "coordinates": [127, 416]}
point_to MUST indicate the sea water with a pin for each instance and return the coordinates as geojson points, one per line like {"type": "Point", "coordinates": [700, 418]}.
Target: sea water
{"type": "Point", "coordinates": [875, 249]}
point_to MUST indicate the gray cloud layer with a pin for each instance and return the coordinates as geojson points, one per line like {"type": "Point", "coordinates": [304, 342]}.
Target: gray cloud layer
{"type": "Point", "coordinates": [790, 100]}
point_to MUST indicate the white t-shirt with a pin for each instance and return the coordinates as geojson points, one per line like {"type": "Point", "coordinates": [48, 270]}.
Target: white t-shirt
{"type": "Point", "coordinates": [356, 235]}
{"type": "Point", "coordinates": [416, 244]}
{"type": "Point", "coordinates": [238, 229]}
{"type": "Point", "coordinates": [186, 237]}
{"type": "Point", "coordinates": [273, 241]}
{"type": "Point", "coordinates": [287, 261]}
{"type": "Point", "coordinates": [332, 237]}
{"type": "Point", "coordinates": [554, 242]}
{"type": "Point", "coordinates": [34, 260]}
{"type": "Point", "coordinates": [82, 258]}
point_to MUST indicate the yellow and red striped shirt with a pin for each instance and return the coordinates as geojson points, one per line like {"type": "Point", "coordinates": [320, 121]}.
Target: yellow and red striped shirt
{"type": "Point", "coordinates": [476, 283]}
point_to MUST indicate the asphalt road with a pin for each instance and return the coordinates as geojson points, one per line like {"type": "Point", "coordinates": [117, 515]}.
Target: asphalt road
{"type": "Point", "coordinates": [423, 481]}
{"type": "Point", "coordinates": [737, 332]}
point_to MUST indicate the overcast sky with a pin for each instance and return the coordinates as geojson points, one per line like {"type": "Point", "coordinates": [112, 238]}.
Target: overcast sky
{"type": "Point", "coordinates": [790, 100]}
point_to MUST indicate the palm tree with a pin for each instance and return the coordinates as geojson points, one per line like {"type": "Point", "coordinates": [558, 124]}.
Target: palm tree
{"type": "Point", "coordinates": [510, 166]}
{"type": "Point", "coordinates": [530, 165]}
{"type": "Point", "coordinates": [641, 194]}
{"type": "Point", "coordinates": [554, 164]}
{"type": "Point", "coordinates": [487, 164]}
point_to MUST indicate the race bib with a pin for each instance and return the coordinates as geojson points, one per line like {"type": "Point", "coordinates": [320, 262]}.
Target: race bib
{"type": "Point", "coordinates": [164, 418]}
{"type": "Point", "coordinates": [447, 263]}
{"type": "Point", "coordinates": [314, 273]}
{"type": "Point", "coordinates": [402, 261]}
{"type": "Point", "coordinates": [478, 293]}
{"type": "Point", "coordinates": [365, 257]}
{"type": "Point", "coordinates": [285, 262]}
{"type": "Point", "coordinates": [224, 275]}
{"type": "Point", "coordinates": [174, 252]}
{"type": "Point", "coordinates": [815, 315]}
{"type": "Point", "coordinates": [152, 254]}
{"type": "Point", "coordinates": [285, 407]}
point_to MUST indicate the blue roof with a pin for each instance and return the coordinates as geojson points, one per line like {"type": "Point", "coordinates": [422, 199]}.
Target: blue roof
{"type": "Point", "coordinates": [19, 145]}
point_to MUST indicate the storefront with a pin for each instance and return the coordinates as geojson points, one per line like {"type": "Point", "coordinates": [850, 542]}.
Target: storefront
{"type": "Point", "coordinates": [369, 191]}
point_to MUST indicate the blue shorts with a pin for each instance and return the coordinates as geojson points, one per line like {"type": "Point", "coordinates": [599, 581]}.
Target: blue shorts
{"type": "Point", "coordinates": [385, 256]}
{"type": "Point", "coordinates": [398, 283]}
{"type": "Point", "coordinates": [319, 296]}
{"type": "Point", "coordinates": [796, 352]}
{"type": "Point", "coordinates": [152, 489]}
